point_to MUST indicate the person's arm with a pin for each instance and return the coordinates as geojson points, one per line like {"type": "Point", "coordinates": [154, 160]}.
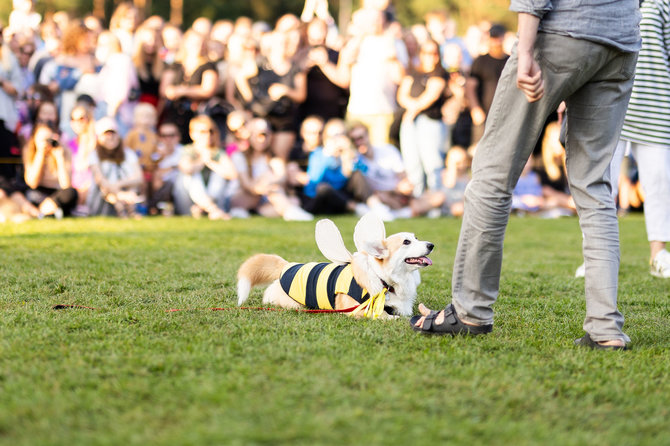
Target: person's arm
{"type": "Point", "coordinates": [476, 111]}
{"type": "Point", "coordinates": [297, 94]}
{"type": "Point", "coordinates": [529, 75]}
{"type": "Point", "coordinates": [34, 167]}
{"type": "Point", "coordinates": [202, 91]}
{"type": "Point", "coordinates": [63, 167]}
{"type": "Point", "coordinates": [223, 167]}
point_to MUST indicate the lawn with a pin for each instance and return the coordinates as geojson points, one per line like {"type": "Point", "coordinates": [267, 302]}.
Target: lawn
{"type": "Point", "coordinates": [128, 372]}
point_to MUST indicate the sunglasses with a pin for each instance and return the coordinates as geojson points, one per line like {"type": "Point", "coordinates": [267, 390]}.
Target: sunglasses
{"type": "Point", "coordinates": [204, 131]}
{"type": "Point", "coordinates": [78, 118]}
{"type": "Point", "coordinates": [168, 135]}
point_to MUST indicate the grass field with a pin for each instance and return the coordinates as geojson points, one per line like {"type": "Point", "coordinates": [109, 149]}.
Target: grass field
{"type": "Point", "coordinates": [129, 372]}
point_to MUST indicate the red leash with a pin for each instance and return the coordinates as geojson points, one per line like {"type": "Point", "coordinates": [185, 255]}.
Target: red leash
{"type": "Point", "coordinates": [172, 310]}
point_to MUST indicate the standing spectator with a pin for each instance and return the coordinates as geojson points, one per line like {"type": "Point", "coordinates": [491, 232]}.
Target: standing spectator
{"type": "Point", "coordinates": [148, 63]}
{"type": "Point", "coordinates": [117, 176]}
{"type": "Point", "coordinates": [47, 167]}
{"type": "Point", "coordinates": [647, 129]}
{"type": "Point", "coordinates": [117, 70]}
{"type": "Point", "coordinates": [10, 84]}
{"type": "Point", "coordinates": [123, 23]}
{"type": "Point", "coordinates": [64, 72]}
{"type": "Point", "coordinates": [188, 83]}
{"type": "Point", "coordinates": [483, 80]}
{"type": "Point", "coordinates": [374, 74]}
{"type": "Point", "coordinates": [423, 133]}
{"type": "Point", "coordinates": [326, 94]}
{"type": "Point", "coordinates": [274, 91]}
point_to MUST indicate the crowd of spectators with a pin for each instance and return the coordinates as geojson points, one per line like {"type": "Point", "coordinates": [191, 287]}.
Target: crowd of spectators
{"type": "Point", "coordinates": [234, 117]}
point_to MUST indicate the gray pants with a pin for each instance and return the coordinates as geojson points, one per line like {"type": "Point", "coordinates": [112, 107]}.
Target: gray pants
{"type": "Point", "coordinates": [595, 81]}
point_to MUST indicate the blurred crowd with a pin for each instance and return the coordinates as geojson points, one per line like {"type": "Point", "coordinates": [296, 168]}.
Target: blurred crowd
{"type": "Point", "coordinates": [236, 117]}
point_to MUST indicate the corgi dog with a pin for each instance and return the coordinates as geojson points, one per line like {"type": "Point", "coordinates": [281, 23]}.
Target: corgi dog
{"type": "Point", "coordinates": [381, 266]}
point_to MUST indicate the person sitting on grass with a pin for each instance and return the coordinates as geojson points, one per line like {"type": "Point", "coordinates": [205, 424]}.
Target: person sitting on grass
{"type": "Point", "coordinates": [117, 175]}
{"type": "Point", "coordinates": [263, 178]}
{"type": "Point", "coordinates": [47, 167]}
{"type": "Point", "coordinates": [207, 177]}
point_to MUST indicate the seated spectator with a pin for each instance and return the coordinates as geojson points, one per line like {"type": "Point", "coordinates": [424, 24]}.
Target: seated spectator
{"type": "Point", "coordinates": [143, 139]}
{"type": "Point", "coordinates": [47, 114]}
{"type": "Point", "coordinates": [263, 178]}
{"type": "Point", "coordinates": [237, 135]}
{"type": "Point", "coordinates": [552, 173]}
{"type": "Point", "coordinates": [333, 186]}
{"type": "Point", "coordinates": [383, 168]}
{"type": "Point", "coordinates": [167, 169]}
{"type": "Point", "coordinates": [448, 200]}
{"type": "Point", "coordinates": [117, 175]}
{"type": "Point", "coordinates": [207, 177]}
{"type": "Point", "coordinates": [14, 206]}
{"type": "Point", "coordinates": [527, 195]}
{"type": "Point", "coordinates": [47, 166]}
{"type": "Point", "coordinates": [81, 147]}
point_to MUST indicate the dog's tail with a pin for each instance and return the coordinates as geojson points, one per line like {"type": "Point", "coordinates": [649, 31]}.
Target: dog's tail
{"type": "Point", "coordinates": [260, 269]}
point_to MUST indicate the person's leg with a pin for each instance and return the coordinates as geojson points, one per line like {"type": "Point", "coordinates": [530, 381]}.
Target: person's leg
{"type": "Point", "coordinates": [653, 163]}
{"type": "Point", "coordinates": [180, 195]}
{"type": "Point", "coordinates": [595, 114]}
{"type": "Point", "coordinates": [409, 149]}
{"type": "Point", "coordinates": [431, 134]}
{"type": "Point", "coordinates": [512, 129]}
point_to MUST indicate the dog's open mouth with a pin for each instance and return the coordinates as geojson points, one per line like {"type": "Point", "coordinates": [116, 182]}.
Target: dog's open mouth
{"type": "Point", "coordinates": [420, 261]}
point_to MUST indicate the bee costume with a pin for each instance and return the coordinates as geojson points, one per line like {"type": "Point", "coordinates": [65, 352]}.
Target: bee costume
{"type": "Point", "coordinates": [315, 285]}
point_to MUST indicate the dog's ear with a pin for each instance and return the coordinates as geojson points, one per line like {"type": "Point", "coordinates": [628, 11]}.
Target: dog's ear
{"type": "Point", "coordinates": [330, 243]}
{"type": "Point", "coordinates": [369, 235]}
{"type": "Point", "coordinates": [376, 249]}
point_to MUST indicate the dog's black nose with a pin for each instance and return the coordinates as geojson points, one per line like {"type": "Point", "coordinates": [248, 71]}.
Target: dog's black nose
{"type": "Point", "coordinates": [430, 247]}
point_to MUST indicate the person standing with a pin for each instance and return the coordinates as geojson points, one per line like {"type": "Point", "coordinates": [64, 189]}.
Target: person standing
{"type": "Point", "coordinates": [481, 84]}
{"type": "Point", "coordinates": [647, 129]}
{"type": "Point", "coordinates": [584, 54]}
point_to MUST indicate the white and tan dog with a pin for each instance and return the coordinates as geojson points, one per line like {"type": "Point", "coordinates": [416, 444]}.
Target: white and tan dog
{"type": "Point", "coordinates": [381, 263]}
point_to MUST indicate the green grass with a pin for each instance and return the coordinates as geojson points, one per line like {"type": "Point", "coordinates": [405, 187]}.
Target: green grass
{"type": "Point", "coordinates": [131, 373]}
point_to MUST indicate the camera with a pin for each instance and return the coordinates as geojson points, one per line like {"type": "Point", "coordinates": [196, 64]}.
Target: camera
{"type": "Point", "coordinates": [53, 142]}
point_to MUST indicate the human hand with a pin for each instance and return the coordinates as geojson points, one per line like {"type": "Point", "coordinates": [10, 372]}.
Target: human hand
{"type": "Point", "coordinates": [529, 76]}
{"type": "Point", "coordinates": [317, 56]}
{"type": "Point", "coordinates": [478, 116]}
{"type": "Point", "coordinates": [276, 91]}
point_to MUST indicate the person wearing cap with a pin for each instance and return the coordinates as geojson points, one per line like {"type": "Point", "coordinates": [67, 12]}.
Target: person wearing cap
{"type": "Point", "coordinates": [481, 84]}
{"type": "Point", "coordinates": [117, 175]}
{"type": "Point", "coordinates": [583, 53]}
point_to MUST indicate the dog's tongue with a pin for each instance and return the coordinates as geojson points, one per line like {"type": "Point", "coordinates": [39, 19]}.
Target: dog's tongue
{"type": "Point", "coordinates": [426, 260]}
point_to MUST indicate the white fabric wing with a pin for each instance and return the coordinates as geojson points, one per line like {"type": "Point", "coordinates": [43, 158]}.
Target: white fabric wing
{"type": "Point", "coordinates": [330, 243]}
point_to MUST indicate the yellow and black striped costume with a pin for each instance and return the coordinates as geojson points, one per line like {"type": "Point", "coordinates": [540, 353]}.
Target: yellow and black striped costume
{"type": "Point", "coordinates": [315, 285]}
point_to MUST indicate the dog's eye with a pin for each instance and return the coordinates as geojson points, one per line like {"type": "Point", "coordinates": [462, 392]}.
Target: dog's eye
{"type": "Point", "coordinates": [406, 242]}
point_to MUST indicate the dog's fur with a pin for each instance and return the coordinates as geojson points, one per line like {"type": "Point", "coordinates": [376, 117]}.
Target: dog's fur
{"type": "Point", "coordinates": [380, 261]}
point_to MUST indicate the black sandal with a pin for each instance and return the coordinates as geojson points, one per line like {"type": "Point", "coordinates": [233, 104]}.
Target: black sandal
{"type": "Point", "coordinates": [586, 341]}
{"type": "Point", "coordinates": [451, 325]}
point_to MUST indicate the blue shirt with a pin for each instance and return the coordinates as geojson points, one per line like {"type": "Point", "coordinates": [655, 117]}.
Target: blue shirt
{"type": "Point", "coordinates": [609, 22]}
{"type": "Point", "coordinates": [323, 169]}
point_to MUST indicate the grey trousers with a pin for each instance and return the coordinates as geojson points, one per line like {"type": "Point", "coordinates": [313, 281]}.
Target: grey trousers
{"type": "Point", "coordinates": [595, 81]}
